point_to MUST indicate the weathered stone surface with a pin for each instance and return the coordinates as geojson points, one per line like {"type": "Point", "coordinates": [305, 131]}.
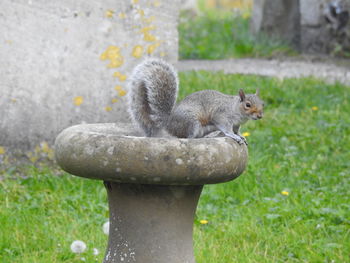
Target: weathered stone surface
{"type": "Point", "coordinates": [59, 61]}
{"type": "Point", "coordinates": [151, 223]}
{"type": "Point", "coordinates": [153, 185]}
{"type": "Point", "coordinates": [115, 153]}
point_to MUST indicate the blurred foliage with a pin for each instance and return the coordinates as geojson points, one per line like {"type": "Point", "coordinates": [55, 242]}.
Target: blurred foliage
{"type": "Point", "coordinates": [217, 33]}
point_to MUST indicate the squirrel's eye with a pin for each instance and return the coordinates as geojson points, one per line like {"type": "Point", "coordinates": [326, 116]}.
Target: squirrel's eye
{"type": "Point", "coordinates": [247, 105]}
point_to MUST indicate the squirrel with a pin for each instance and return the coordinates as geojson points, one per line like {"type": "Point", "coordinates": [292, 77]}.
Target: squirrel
{"type": "Point", "coordinates": [153, 89]}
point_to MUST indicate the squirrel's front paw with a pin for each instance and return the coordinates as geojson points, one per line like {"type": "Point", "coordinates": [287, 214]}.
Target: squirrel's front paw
{"type": "Point", "coordinates": [237, 138]}
{"type": "Point", "coordinates": [240, 141]}
{"type": "Point", "coordinates": [244, 139]}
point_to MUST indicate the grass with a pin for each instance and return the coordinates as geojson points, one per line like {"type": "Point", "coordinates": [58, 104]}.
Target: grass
{"type": "Point", "coordinates": [43, 213]}
{"type": "Point", "coordinates": [219, 37]}
{"type": "Point", "coordinates": [296, 148]}
{"type": "Point", "coordinates": [301, 146]}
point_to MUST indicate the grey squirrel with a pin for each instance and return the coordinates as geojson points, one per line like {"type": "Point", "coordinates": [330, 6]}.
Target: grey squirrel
{"type": "Point", "coordinates": [153, 89]}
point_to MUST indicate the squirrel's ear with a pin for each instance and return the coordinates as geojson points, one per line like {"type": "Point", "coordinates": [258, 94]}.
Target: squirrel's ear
{"type": "Point", "coordinates": [241, 95]}
{"type": "Point", "coordinates": [257, 92]}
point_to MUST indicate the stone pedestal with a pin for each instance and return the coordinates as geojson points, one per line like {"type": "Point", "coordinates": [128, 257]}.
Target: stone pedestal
{"type": "Point", "coordinates": [151, 223]}
{"type": "Point", "coordinates": [153, 185]}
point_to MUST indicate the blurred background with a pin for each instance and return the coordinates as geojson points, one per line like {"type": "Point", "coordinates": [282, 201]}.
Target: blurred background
{"type": "Point", "coordinates": [263, 28]}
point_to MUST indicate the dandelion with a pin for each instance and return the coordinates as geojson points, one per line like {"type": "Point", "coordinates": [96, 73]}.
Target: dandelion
{"type": "Point", "coordinates": [314, 108]}
{"type": "Point", "coordinates": [95, 251]}
{"type": "Point", "coordinates": [203, 221]}
{"type": "Point", "coordinates": [78, 246]}
{"type": "Point", "coordinates": [246, 134]}
{"type": "Point", "coordinates": [286, 193]}
{"type": "Point", "coordinates": [105, 228]}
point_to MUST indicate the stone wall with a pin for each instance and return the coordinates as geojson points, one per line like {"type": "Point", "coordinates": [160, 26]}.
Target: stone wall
{"type": "Point", "coordinates": [66, 62]}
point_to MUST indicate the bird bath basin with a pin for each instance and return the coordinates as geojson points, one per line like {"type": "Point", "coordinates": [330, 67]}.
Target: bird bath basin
{"type": "Point", "coordinates": [153, 185]}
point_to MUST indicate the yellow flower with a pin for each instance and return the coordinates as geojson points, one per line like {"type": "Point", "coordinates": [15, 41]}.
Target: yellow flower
{"type": "Point", "coordinates": [108, 108]}
{"type": "Point", "coordinates": [246, 134]}
{"type": "Point", "coordinates": [314, 108]}
{"type": "Point", "coordinates": [286, 193]}
{"type": "Point", "coordinates": [203, 221]}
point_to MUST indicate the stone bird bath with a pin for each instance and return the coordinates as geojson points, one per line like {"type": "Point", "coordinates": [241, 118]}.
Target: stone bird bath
{"type": "Point", "coordinates": [153, 185]}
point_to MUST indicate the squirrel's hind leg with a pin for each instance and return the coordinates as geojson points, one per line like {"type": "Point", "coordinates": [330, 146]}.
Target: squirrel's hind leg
{"type": "Point", "coordinates": [186, 125]}
{"type": "Point", "coordinates": [198, 130]}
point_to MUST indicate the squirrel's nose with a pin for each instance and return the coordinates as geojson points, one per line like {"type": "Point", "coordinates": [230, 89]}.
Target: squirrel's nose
{"type": "Point", "coordinates": [259, 116]}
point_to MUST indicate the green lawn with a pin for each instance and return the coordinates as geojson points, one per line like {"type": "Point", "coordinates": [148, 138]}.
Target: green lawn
{"type": "Point", "coordinates": [219, 37]}
{"type": "Point", "coordinates": [300, 148]}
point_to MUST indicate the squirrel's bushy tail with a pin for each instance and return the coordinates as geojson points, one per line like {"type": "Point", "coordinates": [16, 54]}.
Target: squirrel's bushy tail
{"type": "Point", "coordinates": [153, 88]}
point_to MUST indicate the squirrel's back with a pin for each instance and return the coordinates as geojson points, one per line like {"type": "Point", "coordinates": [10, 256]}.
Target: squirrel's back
{"type": "Point", "coordinates": [153, 90]}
